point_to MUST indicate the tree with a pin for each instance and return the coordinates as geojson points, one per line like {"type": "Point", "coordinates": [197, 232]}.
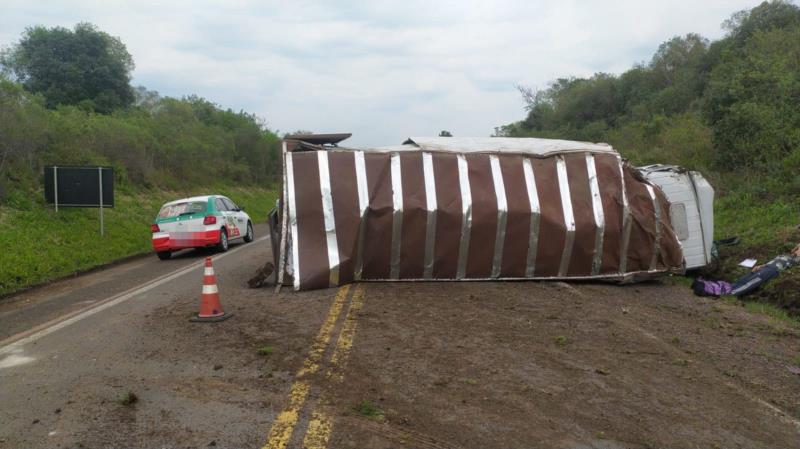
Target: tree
{"type": "Point", "coordinates": [445, 134]}
{"type": "Point", "coordinates": [84, 67]}
{"type": "Point", "coordinates": [764, 17]}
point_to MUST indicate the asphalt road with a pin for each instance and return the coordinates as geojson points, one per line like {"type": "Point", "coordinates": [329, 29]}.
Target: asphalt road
{"type": "Point", "coordinates": [64, 341]}
{"type": "Point", "coordinates": [37, 307]}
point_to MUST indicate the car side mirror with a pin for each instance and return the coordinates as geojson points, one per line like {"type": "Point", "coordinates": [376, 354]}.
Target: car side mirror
{"type": "Point", "coordinates": [241, 209]}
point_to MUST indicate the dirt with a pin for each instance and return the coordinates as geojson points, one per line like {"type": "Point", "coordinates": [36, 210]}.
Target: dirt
{"type": "Point", "coordinates": [556, 365]}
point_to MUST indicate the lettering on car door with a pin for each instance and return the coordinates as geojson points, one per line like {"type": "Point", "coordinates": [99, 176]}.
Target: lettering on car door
{"type": "Point", "coordinates": [228, 218]}
{"type": "Point", "coordinates": [237, 217]}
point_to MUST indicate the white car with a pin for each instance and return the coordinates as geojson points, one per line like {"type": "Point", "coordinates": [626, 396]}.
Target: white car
{"type": "Point", "coordinates": [199, 222]}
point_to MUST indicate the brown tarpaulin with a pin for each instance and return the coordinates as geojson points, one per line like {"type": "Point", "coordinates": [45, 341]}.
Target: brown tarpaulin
{"type": "Point", "coordinates": [489, 216]}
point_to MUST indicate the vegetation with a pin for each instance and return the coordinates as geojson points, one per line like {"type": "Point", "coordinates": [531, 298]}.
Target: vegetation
{"type": "Point", "coordinates": [727, 108]}
{"type": "Point", "coordinates": [163, 143]}
{"type": "Point", "coordinates": [66, 99]}
{"type": "Point", "coordinates": [369, 410]}
{"type": "Point", "coordinates": [83, 67]}
{"type": "Point", "coordinates": [265, 350]}
{"type": "Point", "coordinates": [40, 244]}
{"type": "Point", "coordinates": [128, 399]}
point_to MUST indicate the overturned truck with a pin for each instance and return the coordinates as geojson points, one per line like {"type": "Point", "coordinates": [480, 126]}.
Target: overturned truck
{"type": "Point", "coordinates": [466, 209]}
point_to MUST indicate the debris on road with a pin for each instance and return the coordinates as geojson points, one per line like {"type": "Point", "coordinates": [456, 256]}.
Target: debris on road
{"type": "Point", "coordinates": [128, 399]}
{"type": "Point", "coordinates": [265, 350]}
{"type": "Point", "coordinates": [264, 277]}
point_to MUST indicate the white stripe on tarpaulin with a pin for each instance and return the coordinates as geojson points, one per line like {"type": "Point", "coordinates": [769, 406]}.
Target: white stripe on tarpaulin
{"type": "Point", "coordinates": [626, 221]}
{"type": "Point", "coordinates": [397, 216]}
{"type": "Point", "coordinates": [293, 220]}
{"type": "Point", "coordinates": [327, 213]}
{"type": "Point", "coordinates": [599, 216]}
{"type": "Point", "coordinates": [533, 233]}
{"type": "Point", "coordinates": [363, 204]}
{"type": "Point", "coordinates": [466, 215]}
{"type": "Point", "coordinates": [210, 289]}
{"type": "Point", "coordinates": [569, 216]}
{"type": "Point", "coordinates": [657, 242]}
{"type": "Point", "coordinates": [284, 223]}
{"type": "Point", "coordinates": [431, 206]}
{"type": "Point", "coordinates": [502, 214]}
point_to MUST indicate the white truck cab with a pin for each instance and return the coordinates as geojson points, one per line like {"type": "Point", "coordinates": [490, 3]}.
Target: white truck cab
{"type": "Point", "coordinates": [691, 200]}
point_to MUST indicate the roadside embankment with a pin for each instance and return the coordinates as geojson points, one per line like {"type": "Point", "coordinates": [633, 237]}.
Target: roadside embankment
{"type": "Point", "coordinates": [39, 245]}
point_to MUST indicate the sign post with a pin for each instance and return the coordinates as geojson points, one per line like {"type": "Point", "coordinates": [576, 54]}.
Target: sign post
{"type": "Point", "coordinates": [55, 183]}
{"type": "Point", "coordinates": [100, 179]}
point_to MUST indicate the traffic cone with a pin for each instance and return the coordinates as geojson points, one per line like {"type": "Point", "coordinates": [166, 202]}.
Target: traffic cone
{"type": "Point", "coordinates": [210, 308]}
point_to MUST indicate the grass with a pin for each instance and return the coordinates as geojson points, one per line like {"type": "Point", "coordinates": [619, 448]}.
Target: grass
{"type": "Point", "coordinates": [757, 222]}
{"type": "Point", "coordinates": [561, 340]}
{"type": "Point", "coordinates": [369, 410]}
{"type": "Point", "coordinates": [265, 350]}
{"type": "Point", "coordinates": [769, 310]}
{"type": "Point", "coordinates": [40, 245]}
{"type": "Point", "coordinates": [796, 360]}
{"type": "Point", "coordinates": [766, 227]}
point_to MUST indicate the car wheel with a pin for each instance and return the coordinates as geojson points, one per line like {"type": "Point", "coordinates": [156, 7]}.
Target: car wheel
{"type": "Point", "coordinates": [249, 236]}
{"type": "Point", "coordinates": [223, 240]}
{"type": "Point", "coordinates": [164, 255]}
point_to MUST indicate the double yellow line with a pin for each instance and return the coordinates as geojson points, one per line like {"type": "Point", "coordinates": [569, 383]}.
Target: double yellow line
{"type": "Point", "coordinates": [321, 424]}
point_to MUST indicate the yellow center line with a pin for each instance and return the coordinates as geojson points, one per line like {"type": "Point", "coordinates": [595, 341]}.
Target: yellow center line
{"type": "Point", "coordinates": [321, 424]}
{"type": "Point", "coordinates": [319, 431]}
{"type": "Point", "coordinates": [342, 350]}
{"type": "Point", "coordinates": [283, 426]}
{"type": "Point", "coordinates": [311, 364]}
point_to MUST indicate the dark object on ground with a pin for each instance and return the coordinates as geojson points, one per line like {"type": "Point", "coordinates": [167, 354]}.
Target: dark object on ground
{"type": "Point", "coordinates": [729, 241]}
{"type": "Point", "coordinates": [753, 281]}
{"type": "Point", "coordinates": [763, 273]}
{"type": "Point", "coordinates": [750, 282]}
{"type": "Point", "coordinates": [715, 245]}
{"type": "Point", "coordinates": [743, 286]}
{"type": "Point", "coordinates": [128, 398]}
{"type": "Point", "coordinates": [263, 277]}
{"type": "Point", "coordinates": [705, 287]}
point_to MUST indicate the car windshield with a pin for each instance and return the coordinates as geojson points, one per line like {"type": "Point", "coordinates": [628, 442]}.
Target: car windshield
{"type": "Point", "coordinates": [173, 210]}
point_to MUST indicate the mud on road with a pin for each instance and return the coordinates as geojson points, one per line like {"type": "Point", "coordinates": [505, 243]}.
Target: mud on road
{"type": "Point", "coordinates": [424, 365]}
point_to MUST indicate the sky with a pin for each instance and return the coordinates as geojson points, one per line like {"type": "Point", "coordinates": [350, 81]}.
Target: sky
{"type": "Point", "coordinates": [383, 70]}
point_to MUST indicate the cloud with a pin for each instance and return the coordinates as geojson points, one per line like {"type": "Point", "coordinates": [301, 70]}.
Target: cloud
{"type": "Point", "coordinates": [382, 70]}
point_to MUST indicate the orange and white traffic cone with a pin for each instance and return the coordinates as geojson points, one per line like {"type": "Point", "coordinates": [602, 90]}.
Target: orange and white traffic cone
{"type": "Point", "coordinates": [210, 308]}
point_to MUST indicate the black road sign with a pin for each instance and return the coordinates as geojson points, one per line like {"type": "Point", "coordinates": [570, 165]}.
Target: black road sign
{"type": "Point", "coordinates": [72, 186]}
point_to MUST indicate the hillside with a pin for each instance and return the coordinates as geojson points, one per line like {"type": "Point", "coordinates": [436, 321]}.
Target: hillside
{"type": "Point", "coordinates": [727, 108]}
{"type": "Point", "coordinates": [161, 149]}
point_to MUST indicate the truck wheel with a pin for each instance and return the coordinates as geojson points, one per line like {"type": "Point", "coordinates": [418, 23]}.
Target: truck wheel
{"type": "Point", "coordinates": [223, 240]}
{"type": "Point", "coordinates": [164, 255]}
